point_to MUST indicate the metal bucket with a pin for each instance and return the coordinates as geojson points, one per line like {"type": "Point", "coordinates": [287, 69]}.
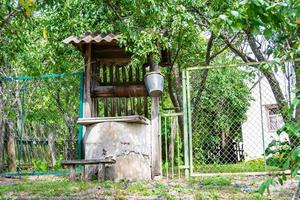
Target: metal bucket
{"type": "Point", "coordinates": [154, 82]}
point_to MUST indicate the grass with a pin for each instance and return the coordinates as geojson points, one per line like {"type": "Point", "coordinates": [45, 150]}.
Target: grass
{"type": "Point", "coordinates": [219, 187]}
{"type": "Point", "coordinates": [247, 166]}
{"type": "Point", "coordinates": [46, 188]}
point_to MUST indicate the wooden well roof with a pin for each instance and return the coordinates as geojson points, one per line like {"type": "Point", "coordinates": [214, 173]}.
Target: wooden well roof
{"type": "Point", "coordinates": [105, 48]}
{"type": "Point", "coordinates": [91, 38]}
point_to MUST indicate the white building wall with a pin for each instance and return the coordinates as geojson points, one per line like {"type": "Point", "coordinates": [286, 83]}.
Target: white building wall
{"type": "Point", "coordinates": [257, 123]}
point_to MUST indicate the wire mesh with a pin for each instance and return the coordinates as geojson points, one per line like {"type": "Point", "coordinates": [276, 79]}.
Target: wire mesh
{"type": "Point", "coordinates": [171, 145]}
{"type": "Point", "coordinates": [235, 114]}
{"type": "Point", "coordinates": [40, 122]}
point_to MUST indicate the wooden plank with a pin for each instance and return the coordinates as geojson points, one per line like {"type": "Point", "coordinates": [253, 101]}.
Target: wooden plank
{"type": "Point", "coordinates": [120, 91]}
{"type": "Point", "coordinates": [118, 99]}
{"type": "Point", "coordinates": [118, 61]}
{"type": "Point", "coordinates": [111, 100]}
{"type": "Point", "coordinates": [124, 99]}
{"type": "Point", "coordinates": [137, 79]}
{"type": "Point", "coordinates": [112, 106]}
{"type": "Point", "coordinates": [145, 98]}
{"type": "Point", "coordinates": [105, 99]}
{"type": "Point", "coordinates": [132, 106]}
{"type": "Point", "coordinates": [87, 162]}
{"type": "Point", "coordinates": [109, 55]}
{"type": "Point", "coordinates": [130, 119]}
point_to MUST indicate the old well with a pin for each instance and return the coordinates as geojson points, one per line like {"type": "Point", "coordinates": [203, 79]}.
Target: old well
{"type": "Point", "coordinates": [120, 119]}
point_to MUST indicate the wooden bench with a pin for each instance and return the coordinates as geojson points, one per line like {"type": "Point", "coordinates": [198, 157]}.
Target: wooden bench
{"type": "Point", "coordinates": [100, 162]}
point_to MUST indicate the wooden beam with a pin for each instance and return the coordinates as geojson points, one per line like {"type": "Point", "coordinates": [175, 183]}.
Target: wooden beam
{"type": "Point", "coordinates": [156, 165]}
{"type": "Point", "coordinates": [156, 146]}
{"type": "Point", "coordinates": [87, 82]}
{"type": "Point", "coordinates": [117, 61]}
{"type": "Point", "coordinates": [115, 55]}
{"type": "Point", "coordinates": [129, 119]}
{"type": "Point", "coordinates": [120, 91]}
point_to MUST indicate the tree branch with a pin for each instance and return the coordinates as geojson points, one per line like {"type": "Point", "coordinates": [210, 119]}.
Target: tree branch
{"type": "Point", "coordinates": [235, 50]}
{"type": "Point", "coordinates": [7, 19]}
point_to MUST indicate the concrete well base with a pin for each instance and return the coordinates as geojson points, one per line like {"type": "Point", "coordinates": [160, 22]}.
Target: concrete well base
{"type": "Point", "coordinates": [128, 143]}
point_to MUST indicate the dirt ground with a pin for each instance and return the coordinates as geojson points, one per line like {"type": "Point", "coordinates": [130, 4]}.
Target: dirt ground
{"type": "Point", "coordinates": [58, 187]}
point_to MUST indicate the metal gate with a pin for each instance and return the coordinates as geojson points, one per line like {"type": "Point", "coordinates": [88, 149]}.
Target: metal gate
{"type": "Point", "coordinates": [230, 117]}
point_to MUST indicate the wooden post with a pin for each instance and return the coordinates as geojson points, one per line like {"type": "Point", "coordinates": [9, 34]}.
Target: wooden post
{"type": "Point", "coordinates": [101, 171]}
{"type": "Point", "coordinates": [72, 173]}
{"type": "Point", "coordinates": [87, 101]}
{"type": "Point", "coordinates": [51, 144]}
{"type": "Point", "coordinates": [155, 148]}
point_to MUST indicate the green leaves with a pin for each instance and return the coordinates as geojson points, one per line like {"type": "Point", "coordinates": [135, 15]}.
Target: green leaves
{"type": "Point", "coordinates": [265, 185]}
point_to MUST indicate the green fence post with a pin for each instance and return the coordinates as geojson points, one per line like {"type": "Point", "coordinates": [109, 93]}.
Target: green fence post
{"type": "Point", "coordinates": [185, 126]}
{"type": "Point", "coordinates": [166, 148]}
{"type": "Point", "coordinates": [80, 129]}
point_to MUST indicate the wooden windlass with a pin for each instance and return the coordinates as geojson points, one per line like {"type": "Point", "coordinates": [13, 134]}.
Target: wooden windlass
{"type": "Point", "coordinates": [112, 87]}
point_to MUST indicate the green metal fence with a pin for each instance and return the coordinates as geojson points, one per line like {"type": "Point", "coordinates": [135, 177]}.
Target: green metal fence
{"type": "Point", "coordinates": [38, 125]}
{"type": "Point", "coordinates": [172, 147]}
{"type": "Point", "coordinates": [231, 115]}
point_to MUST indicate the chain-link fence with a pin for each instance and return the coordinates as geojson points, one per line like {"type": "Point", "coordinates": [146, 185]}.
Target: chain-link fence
{"type": "Point", "coordinates": [171, 140]}
{"type": "Point", "coordinates": [234, 114]}
{"type": "Point", "coordinates": [38, 121]}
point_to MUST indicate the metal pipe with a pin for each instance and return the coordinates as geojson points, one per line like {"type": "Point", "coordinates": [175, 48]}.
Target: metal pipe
{"type": "Point", "coordinates": [262, 119]}
{"type": "Point", "coordinates": [166, 149]}
{"type": "Point", "coordinates": [189, 111]}
{"type": "Point", "coordinates": [185, 126]}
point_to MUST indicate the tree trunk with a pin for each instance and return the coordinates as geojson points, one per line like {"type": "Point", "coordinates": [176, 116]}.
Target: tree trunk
{"type": "Point", "coordinates": [175, 83]}
{"type": "Point", "coordinates": [2, 131]}
{"type": "Point", "coordinates": [268, 73]}
{"type": "Point", "coordinates": [11, 147]}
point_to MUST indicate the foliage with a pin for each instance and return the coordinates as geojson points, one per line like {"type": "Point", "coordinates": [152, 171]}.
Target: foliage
{"type": "Point", "coordinates": [47, 188]}
{"type": "Point", "coordinates": [223, 107]}
{"type": "Point", "coordinates": [58, 165]}
{"type": "Point", "coordinates": [39, 165]}
{"type": "Point", "coordinates": [282, 155]}
{"type": "Point", "coordinates": [257, 165]}
{"type": "Point", "coordinates": [217, 181]}
{"type": "Point", "coordinates": [31, 33]}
